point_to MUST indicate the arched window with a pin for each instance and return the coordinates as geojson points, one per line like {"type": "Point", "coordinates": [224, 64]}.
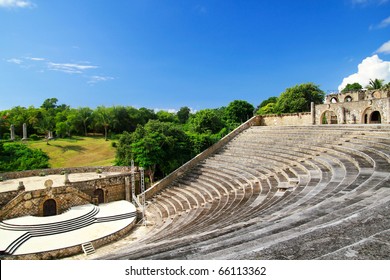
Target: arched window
{"type": "Point", "coordinates": [348, 99]}
{"type": "Point", "coordinates": [50, 208]}
{"type": "Point", "coordinates": [334, 100]}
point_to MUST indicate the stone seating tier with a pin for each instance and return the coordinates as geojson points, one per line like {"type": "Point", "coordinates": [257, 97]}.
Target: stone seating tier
{"type": "Point", "coordinates": [277, 193]}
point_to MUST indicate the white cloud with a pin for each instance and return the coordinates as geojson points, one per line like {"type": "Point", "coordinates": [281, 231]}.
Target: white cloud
{"type": "Point", "coordinates": [365, 2]}
{"type": "Point", "coordinates": [370, 68]}
{"type": "Point", "coordinates": [41, 65]}
{"type": "Point", "coordinates": [71, 68]}
{"type": "Point", "coordinates": [172, 111]}
{"type": "Point", "coordinates": [384, 23]}
{"type": "Point", "coordinates": [36, 58]}
{"type": "Point", "coordinates": [15, 61]}
{"type": "Point", "coordinates": [96, 79]}
{"type": "Point", "coordinates": [385, 48]}
{"type": "Point", "coordinates": [16, 4]}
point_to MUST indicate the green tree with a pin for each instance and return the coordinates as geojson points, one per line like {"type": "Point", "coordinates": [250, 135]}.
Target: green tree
{"type": "Point", "coordinates": [83, 115]}
{"type": "Point", "coordinates": [49, 104]}
{"type": "Point", "coordinates": [386, 86]}
{"type": "Point", "coordinates": [272, 99]}
{"type": "Point", "coordinates": [375, 84]}
{"type": "Point", "coordinates": [18, 157]}
{"type": "Point", "coordinates": [200, 142]}
{"type": "Point", "coordinates": [18, 116]}
{"type": "Point", "coordinates": [206, 121]}
{"type": "Point", "coordinates": [145, 115]}
{"type": "Point", "coordinates": [157, 146]}
{"type": "Point", "coordinates": [135, 118]}
{"type": "Point", "coordinates": [239, 111]}
{"type": "Point", "coordinates": [45, 121]}
{"type": "Point", "coordinates": [183, 114]}
{"type": "Point", "coordinates": [299, 98]}
{"type": "Point", "coordinates": [269, 108]}
{"type": "Point", "coordinates": [352, 87]}
{"type": "Point", "coordinates": [164, 116]}
{"type": "Point", "coordinates": [103, 117]}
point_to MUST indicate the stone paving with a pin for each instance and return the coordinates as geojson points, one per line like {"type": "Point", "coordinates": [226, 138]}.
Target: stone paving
{"type": "Point", "coordinates": [38, 182]}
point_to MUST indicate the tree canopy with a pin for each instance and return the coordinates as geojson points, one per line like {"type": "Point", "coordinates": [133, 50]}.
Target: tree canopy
{"type": "Point", "coordinates": [352, 87]}
{"type": "Point", "coordinates": [239, 111]}
{"type": "Point", "coordinates": [375, 84]}
{"type": "Point", "coordinates": [18, 157]}
{"type": "Point", "coordinates": [298, 98]}
{"type": "Point", "coordinates": [158, 144]}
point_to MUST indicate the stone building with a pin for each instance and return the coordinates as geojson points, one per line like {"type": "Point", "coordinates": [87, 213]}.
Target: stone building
{"type": "Point", "coordinates": [357, 107]}
{"type": "Point", "coordinates": [53, 200]}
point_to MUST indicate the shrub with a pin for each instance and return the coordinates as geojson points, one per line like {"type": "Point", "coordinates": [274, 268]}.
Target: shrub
{"type": "Point", "coordinates": [34, 137]}
{"type": "Point", "coordinates": [18, 157]}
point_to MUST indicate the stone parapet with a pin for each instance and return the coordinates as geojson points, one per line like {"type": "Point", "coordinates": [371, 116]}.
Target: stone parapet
{"type": "Point", "coordinates": [53, 171]}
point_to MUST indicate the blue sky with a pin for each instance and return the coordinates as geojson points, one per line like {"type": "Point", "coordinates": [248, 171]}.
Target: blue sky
{"type": "Point", "coordinates": [165, 54]}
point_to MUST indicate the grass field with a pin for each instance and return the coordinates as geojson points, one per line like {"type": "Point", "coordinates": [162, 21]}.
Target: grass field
{"type": "Point", "coordinates": [78, 151]}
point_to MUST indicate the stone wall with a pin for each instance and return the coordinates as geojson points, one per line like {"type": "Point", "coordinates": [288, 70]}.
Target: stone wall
{"type": "Point", "coordinates": [69, 170]}
{"type": "Point", "coordinates": [354, 112]}
{"type": "Point", "coordinates": [21, 203]}
{"type": "Point", "coordinates": [30, 203]}
{"type": "Point", "coordinates": [113, 187]}
{"type": "Point", "coordinates": [287, 119]}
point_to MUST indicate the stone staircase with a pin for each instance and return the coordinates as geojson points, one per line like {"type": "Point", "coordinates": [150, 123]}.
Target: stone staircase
{"type": "Point", "coordinates": [37, 230]}
{"type": "Point", "coordinates": [72, 223]}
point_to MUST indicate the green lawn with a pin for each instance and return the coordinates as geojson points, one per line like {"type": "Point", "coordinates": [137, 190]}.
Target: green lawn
{"type": "Point", "coordinates": [78, 151]}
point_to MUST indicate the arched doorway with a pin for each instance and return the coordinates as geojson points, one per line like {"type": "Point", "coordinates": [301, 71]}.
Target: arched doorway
{"type": "Point", "coordinates": [329, 117]}
{"type": "Point", "coordinates": [99, 193]}
{"type": "Point", "coordinates": [371, 116]}
{"type": "Point", "coordinates": [375, 117]}
{"type": "Point", "coordinates": [49, 208]}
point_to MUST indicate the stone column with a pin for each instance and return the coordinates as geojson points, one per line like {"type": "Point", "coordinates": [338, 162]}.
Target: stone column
{"type": "Point", "coordinates": [24, 131]}
{"type": "Point", "coordinates": [66, 181]}
{"type": "Point", "coordinates": [12, 132]}
{"type": "Point", "coordinates": [313, 113]}
{"type": "Point", "coordinates": [388, 110]}
{"type": "Point", "coordinates": [127, 189]}
{"type": "Point", "coordinates": [342, 119]}
{"type": "Point", "coordinates": [21, 186]}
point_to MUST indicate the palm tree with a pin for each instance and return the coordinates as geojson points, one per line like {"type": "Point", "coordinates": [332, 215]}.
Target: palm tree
{"type": "Point", "coordinates": [386, 86]}
{"type": "Point", "coordinates": [375, 84]}
{"type": "Point", "coordinates": [103, 117]}
{"type": "Point", "coordinates": [85, 114]}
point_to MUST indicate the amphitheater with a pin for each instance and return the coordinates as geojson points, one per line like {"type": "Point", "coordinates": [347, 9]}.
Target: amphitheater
{"type": "Point", "coordinates": [283, 191]}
